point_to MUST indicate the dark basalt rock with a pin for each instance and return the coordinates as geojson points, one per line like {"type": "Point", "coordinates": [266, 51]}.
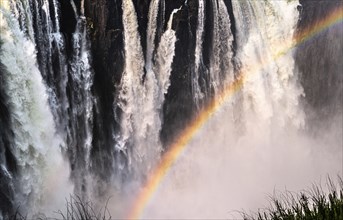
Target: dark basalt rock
{"type": "Point", "coordinates": [105, 20]}
{"type": "Point", "coordinates": [178, 107]}
{"type": "Point", "coordinates": [107, 49]}
{"type": "Point", "coordinates": [8, 163]}
{"type": "Point", "coordinates": [105, 28]}
{"type": "Point", "coordinates": [68, 19]}
{"type": "Point", "coordinates": [319, 62]}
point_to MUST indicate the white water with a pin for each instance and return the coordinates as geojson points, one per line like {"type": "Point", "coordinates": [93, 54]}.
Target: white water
{"type": "Point", "coordinates": [142, 99]}
{"type": "Point", "coordinates": [226, 39]}
{"type": "Point", "coordinates": [151, 33]}
{"type": "Point", "coordinates": [44, 175]}
{"type": "Point", "coordinates": [37, 147]}
{"type": "Point", "coordinates": [225, 169]}
{"type": "Point", "coordinates": [271, 92]}
{"type": "Point", "coordinates": [59, 106]}
{"type": "Point", "coordinates": [82, 81]}
{"type": "Point", "coordinates": [165, 55]}
{"type": "Point", "coordinates": [232, 163]}
{"type": "Point", "coordinates": [142, 103]}
{"type": "Point", "coordinates": [214, 75]}
{"type": "Point", "coordinates": [196, 90]}
{"type": "Point", "coordinates": [132, 90]}
{"type": "Point", "coordinates": [221, 68]}
{"type": "Point", "coordinates": [23, 14]}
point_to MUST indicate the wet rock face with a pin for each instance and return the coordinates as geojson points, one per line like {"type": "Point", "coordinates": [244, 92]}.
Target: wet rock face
{"type": "Point", "coordinates": [68, 19]}
{"type": "Point", "coordinates": [105, 20]}
{"type": "Point", "coordinates": [8, 163]}
{"type": "Point", "coordinates": [321, 80]}
{"type": "Point", "coordinates": [106, 30]}
{"type": "Point", "coordinates": [177, 109]}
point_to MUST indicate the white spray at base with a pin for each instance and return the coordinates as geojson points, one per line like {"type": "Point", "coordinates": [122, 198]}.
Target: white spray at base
{"type": "Point", "coordinates": [224, 170]}
{"type": "Point", "coordinates": [37, 147]}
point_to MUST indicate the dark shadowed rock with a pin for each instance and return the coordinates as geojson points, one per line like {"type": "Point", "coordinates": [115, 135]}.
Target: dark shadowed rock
{"type": "Point", "coordinates": [319, 61]}
{"type": "Point", "coordinates": [8, 163]}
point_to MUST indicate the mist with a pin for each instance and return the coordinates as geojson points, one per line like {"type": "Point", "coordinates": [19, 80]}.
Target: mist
{"type": "Point", "coordinates": [222, 173]}
{"type": "Point", "coordinates": [94, 93]}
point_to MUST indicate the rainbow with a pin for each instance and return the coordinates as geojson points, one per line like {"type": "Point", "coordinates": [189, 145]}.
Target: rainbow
{"type": "Point", "coordinates": [177, 147]}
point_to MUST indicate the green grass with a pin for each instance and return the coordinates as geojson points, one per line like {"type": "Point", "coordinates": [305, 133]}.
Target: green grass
{"type": "Point", "coordinates": [313, 204]}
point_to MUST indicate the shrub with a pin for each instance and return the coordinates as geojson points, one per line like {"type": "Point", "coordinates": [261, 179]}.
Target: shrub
{"type": "Point", "coordinates": [307, 205]}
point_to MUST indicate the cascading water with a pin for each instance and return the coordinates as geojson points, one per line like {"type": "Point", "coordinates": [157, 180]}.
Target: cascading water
{"type": "Point", "coordinates": [220, 70]}
{"type": "Point", "coordinates": [93, 94]}
{"type": "Point", "coordinates": [37, 148]}
{"type": "Point", "coordinates": [164, 60]}
{"type": "Point", "coordinates": [81, 100]}
{"type": "Point", "coordinates": [52, 60]}
{"type": "Point", "coordinates": [220, 66]}
{"type": "Point", "coordinates": [142, 95]}
{"type": "Point", "coordinates": [39, 140]}
{"type": "Point", "coordinates": [151, 33]}
{"type": "Point", "coordinates": [270, 113]}
{"type": "Point", "coordinates": [196, 90]}
{"type": "Point", "coordinates": [134, 92]}
{"type": "Point", "coordinates": [271, 91]}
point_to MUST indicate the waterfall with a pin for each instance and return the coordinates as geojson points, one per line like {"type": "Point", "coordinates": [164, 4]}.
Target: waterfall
{"type": "Point", "coordinates": [196, 90]}
{"type": "Point", "coordinates": [24, 16]}
{"type": "Point", "coordinates": [51, 101]}
{"type": "Point", "coordinates": [132, 89]}
{"type": "Point", "coordinates": [220, 66]}
{"type": "Point", "coordinates": [81, 100]}
{"type": "Point", "coordinates": [225, 166]}
{"type": "Point", "coordinates": [36, 145]}
{"type": "Point", "coordinates": [226, 39]}
{"type": "Point", "coordinates": [270, 94]}
{"type": "Point", "coordinates": [51, 47]}
{"type": "Point", "coordinates": [214, 74]}
{"type": "Point", "coordinates": [151, 32]}
{"type": "Point", "coordinates": [166, 53]}
{"type": "Point", "coordinates": [142, 99]}
{"type": "Point", "coordinates": [88, 109]}
{"type": "Point", "coordinates": [221, 55]}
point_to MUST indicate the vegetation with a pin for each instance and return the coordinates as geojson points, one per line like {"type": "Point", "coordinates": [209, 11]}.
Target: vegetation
{"type": "Point", "coordinates": [313, 204]}
{"type": "Point", "coordinates": [78, 209]}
